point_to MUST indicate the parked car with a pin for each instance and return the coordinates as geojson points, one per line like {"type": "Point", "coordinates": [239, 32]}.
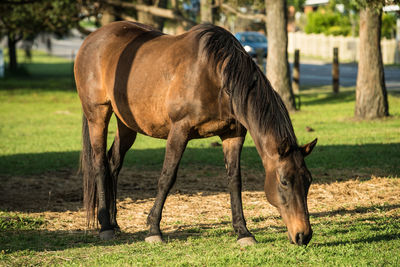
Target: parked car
{"type": "Point", "coordinates": [253, 43]}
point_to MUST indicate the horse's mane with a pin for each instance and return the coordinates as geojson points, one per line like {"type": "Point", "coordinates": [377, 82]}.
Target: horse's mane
{"type": "Point", "coordinates": [243, 78]}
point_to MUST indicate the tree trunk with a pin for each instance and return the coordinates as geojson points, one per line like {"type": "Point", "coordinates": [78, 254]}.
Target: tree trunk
{"type": "Point", "coordinates": [107, 17]}
{"type": "Point", "coordinates": [371, 96]}
{"type": "Point", "coordinates": [206, 11]}
{"type": "Point", "coordinates": [278, 70]}
{"type": "Point", "coordinates": [149, 19]}
{"type": "Point", "coordinates": [12, 53]}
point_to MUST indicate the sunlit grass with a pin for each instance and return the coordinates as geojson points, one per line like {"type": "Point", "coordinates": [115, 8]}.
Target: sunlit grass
{"type": "Point", "coordinates": [370, 240]}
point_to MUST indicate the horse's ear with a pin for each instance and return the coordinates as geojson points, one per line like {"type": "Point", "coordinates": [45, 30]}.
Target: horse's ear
{"type": "Point", "coordinates": [307, 149]}
{"type": "Point", "coordinates": [284, 148]}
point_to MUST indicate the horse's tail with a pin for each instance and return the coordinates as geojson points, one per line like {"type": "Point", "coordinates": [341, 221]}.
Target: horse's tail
{"type": "Point", "coordinates": [86, 168]}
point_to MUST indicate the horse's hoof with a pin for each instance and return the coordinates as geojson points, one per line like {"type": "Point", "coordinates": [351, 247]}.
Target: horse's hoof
{"type": "Point", "coordinates": [154, 239]}
{"type": "Point", "coordinates": [247, 241]}
{"type": "Point", "coordinates": [107, 235]}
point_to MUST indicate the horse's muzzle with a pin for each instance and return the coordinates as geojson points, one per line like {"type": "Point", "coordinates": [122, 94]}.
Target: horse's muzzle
{"type": "Point", "coordinates": [302, 239]}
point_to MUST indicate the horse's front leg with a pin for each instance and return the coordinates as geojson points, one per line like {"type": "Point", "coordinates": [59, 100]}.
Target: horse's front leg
{"type": "Point", "coordinates": [232, 147]}
{"type": "Point", "coordinates": [176, 144]}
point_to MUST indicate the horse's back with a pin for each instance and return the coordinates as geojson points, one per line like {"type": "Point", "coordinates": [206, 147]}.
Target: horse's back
{"type": "Point", "coordinates": [97, 55]}
{"type": "Point", "coordinates": [151, 80]}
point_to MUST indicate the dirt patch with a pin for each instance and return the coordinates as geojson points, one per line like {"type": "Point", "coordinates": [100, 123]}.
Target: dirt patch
{"type": "Point", "coordinates": [199, 199]}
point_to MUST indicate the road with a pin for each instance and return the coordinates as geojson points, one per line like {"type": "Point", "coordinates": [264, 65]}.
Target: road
{"type": "Point", "coordinates": [319, 73]}
{"type": "Point", "coordinates": [67, 47]}
{"type": "Point", "coordinates": [312, 73]}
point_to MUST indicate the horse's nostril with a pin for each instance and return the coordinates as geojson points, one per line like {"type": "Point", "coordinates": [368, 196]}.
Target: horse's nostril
{"type": "Point", "coordinates": [308, 238]}
{"type": "Point", "coordinates": [300, 238]}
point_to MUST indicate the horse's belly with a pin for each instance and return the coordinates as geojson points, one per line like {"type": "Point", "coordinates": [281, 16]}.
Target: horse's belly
{"type": "Point", "coordinates": [153, 128]}
{"type": "Point", "coordinates": [214, 127]}
{"type": "Point", "coordinates": [144, 118]}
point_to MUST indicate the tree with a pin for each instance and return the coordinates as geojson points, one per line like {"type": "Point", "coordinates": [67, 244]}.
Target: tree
{"type": "Point", "coordinates": [206, 11]}
{"type": "Point", "coordinates": [150, 19]}
{"type": "Point", "coordinates": [231, 8]}
{"type": "Point", "coordinates": [157, 11]}
{"type": "Point", "coordinates": [371, 95]}
{"type": "Point", "coordinates": [25, 19]}
{"type": "Point", "coordinates": [278, 70]}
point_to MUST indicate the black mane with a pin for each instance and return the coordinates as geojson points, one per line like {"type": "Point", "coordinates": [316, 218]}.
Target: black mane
{"type": "Point", "coordinates": [252, 96]}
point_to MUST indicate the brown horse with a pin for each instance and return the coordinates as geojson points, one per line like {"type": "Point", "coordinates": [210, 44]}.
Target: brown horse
{"type": "Point", "coordinates": [198, 84]}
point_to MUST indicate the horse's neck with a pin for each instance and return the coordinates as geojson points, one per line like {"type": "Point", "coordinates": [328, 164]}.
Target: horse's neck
{"type": "Point", "coordinates": [265, 145]}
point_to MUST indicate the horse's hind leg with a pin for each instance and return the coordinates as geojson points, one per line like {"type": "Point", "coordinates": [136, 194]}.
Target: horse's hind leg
{"type": "Point", "coordinates": [98, 120]}
{"type": "Point", "coordinates": [124, 139]}
{"type": "Point", "coordinates": [232, 147]}
{"type": "Point", "coordinates": [176, 144]}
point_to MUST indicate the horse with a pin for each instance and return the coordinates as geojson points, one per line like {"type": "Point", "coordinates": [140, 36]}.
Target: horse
{"type": "Point", "coordinates": [198, 84]}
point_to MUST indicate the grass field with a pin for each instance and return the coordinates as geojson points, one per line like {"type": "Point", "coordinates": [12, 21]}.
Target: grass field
{"type": "Point", "coordinates": [354, 201]}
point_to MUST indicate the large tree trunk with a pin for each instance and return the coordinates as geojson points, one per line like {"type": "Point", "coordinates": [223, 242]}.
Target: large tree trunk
{"type": "Point", "coordinates": [278, 70]}
{"type": "Point", "coordinates": [149, 19]}
{"type": "Point", "coordinates": [371, 97]}
{"type": "Point", "coordinates": [12, 53]}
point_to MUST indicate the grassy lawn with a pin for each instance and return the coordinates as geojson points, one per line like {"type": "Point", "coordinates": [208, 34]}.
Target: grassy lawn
{"type": "Point", "coordinates": [354, 202]}
{"type": "Point", "coordinates": [351, 242]}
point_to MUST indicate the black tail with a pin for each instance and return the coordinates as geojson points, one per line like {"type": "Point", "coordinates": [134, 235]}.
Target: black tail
{"type": "Point", "coordinates": [89, 182]}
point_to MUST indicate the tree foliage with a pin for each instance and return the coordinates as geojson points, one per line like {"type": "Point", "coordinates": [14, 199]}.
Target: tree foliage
{"type": "Point", "coordinates": [298, 4]}
{"type": "Point", "coordinates": [329, 21]}
{"type": "Point", "coordinates": [388, 25]}
{"type": "Point", "coordinates": [22, 19]}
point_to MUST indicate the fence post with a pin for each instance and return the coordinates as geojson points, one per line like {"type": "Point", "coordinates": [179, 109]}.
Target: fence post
{"type": "Point", "coordinates": [296, 72]}
{"type": "Point", "coordinates": [335, 70]}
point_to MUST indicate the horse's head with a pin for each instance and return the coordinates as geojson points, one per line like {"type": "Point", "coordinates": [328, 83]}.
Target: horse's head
{"type": "Point", "coordinates": [286, 187]}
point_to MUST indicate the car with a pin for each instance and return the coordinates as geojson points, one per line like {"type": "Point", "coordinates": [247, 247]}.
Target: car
{"type": "Point", "coordinates": [253, 43]}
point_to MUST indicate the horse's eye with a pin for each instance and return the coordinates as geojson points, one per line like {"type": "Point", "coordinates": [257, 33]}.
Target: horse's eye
{"type": "Point", "coordinates": [284, 182]}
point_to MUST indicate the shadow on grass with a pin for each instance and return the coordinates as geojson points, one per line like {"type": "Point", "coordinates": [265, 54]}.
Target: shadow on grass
{"type": "Point", "coordinates": [43, 240]}
{"type": "Point", "coordinates": [222, 228]}
{"type": "Point", "coordinates": [324, 95]}
{"type": "Point", "coordinates": [358, 210]}
{"type": "Point", "coordinates": [48, 181]}
{"type": "Point", "coordinates": [375, 238]}
{"type": "Point", "coordinates": [364, 231]}
{"type": "Point", "coordinates": [383, 159]}
{"type": "Point", "coordinates": [374, 227]}
{"type": "Point", "coordinates": [330, 98]}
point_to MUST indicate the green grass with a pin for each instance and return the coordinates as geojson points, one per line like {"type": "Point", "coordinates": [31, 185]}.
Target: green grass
{"type": "Point", "coordinates": [372, 240]}
{"type": "Point", "coordinates": [9, 221]}
{"type": "Point", "coordinates": [40, 118]}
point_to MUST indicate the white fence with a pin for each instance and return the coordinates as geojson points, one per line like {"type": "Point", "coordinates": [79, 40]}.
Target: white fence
{"type": "Point", "coordinates": [321, 46]}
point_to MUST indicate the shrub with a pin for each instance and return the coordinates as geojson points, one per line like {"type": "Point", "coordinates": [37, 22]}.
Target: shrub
{"type": "Point", "coordinates": [328, 22]}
